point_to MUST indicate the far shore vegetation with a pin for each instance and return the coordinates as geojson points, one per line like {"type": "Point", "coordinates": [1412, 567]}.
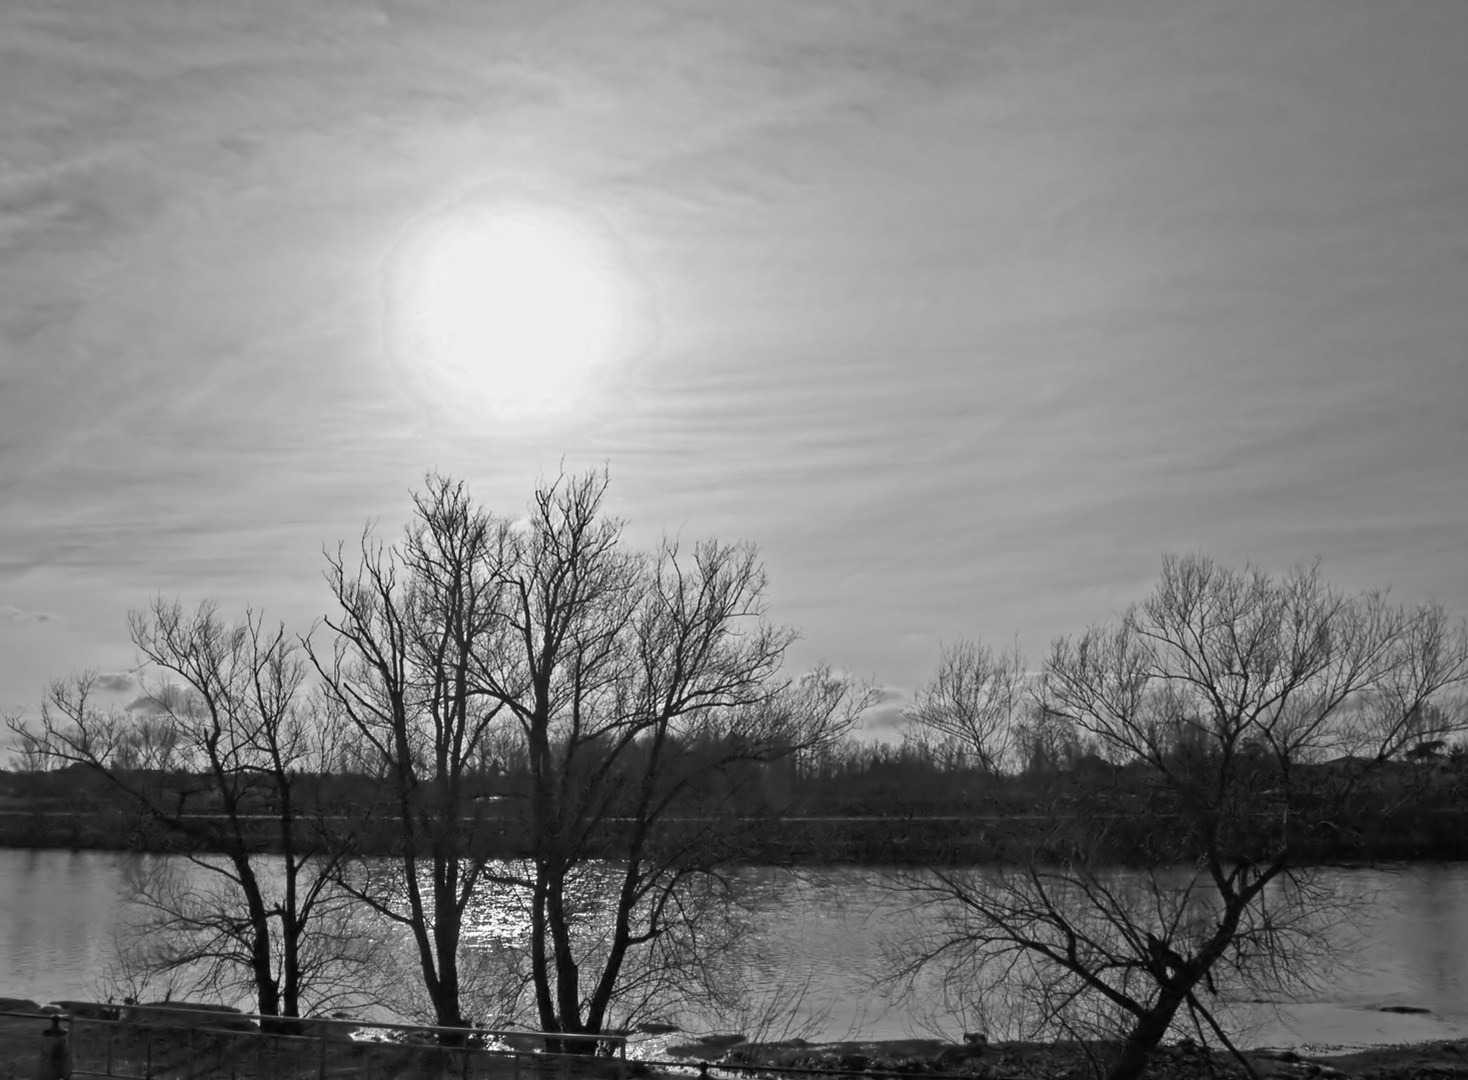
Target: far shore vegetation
{"type": "Point", "coordinates": [863, 804]}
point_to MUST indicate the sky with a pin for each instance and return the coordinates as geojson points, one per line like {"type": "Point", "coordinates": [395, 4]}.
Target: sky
{"type": "Point", "coordinates": [965, 313]}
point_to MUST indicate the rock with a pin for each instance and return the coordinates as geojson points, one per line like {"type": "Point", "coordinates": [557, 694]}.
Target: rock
{"type": "Point", "coordinates": [1405, 1010]}
{"type": "Point", "coordinates": [855, 1062]}
{"type": "Point", "coordinates": [527, 1041]}
{"type": "Point", "coordinates": [721, 1040]}
{"type": "Point", "coordinates": [185, 1014]}
{"type": "Point", "coordinates": [20, 1005]}
{"type": "Point", "coordinates": [331, 1032]}
{"type": "Point", "coordinates": [1281, 1055]}
{"type": "Point", "coordinates": [697, 1051]}
{"type": "Point", "coordinates": [88, 1010]}
{"type": "Point", "coordinates": [957, 1055]}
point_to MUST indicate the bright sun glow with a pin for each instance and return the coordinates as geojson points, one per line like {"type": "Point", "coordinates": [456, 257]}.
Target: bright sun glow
{"type": "Point", "coordinates": [514, 310]}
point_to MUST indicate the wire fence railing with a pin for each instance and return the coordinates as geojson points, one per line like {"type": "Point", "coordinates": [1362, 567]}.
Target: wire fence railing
{"type": "Point", "coordinates": [171, 1042]}
{"type": "Point", "coordinates": [160, 1042]}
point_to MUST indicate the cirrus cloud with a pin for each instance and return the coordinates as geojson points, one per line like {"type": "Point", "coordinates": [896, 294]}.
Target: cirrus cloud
{"type": "Point", "coordinates": [11, 613]}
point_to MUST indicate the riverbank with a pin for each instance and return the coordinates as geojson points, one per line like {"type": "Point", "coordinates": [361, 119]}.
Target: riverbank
{"type": "Point", "coordinates": [29, 1045]}
{"type": "Point", "coordinates": [1076, 1061]}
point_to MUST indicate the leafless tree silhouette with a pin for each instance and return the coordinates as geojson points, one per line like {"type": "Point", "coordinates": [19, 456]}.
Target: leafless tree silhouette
{"type": "Point", "coordinates": [211, 753]}
{"type": "Point", "coordinates": [968, 712]}
{"type": "Point", "coordinates": [1240, 712]}
{"type": "Point", "coordinates": [628, 682]}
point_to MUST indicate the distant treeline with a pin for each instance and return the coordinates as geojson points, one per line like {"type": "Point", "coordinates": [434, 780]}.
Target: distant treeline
{"type": "Point", "coordinates": [873, 804]}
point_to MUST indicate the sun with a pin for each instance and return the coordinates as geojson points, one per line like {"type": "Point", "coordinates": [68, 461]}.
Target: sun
{"type": "Point", "coordinates": [510, 311]}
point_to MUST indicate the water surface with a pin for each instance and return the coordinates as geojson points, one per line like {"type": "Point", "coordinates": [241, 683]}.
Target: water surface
{"type": "Point", "coordinates": [822, 930]}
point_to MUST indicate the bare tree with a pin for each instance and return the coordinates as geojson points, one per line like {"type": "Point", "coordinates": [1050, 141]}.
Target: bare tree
{"type": "Point", "coordinates": [29, 752]}
{"type": "Point", "coordinates": [412, 626]}
{"type": "Point", "coordinates": [628, 683]}
{"type": "Point", "coordinates": [1081, 948]}
{"type": "Point", "coordinates": [969, 710]}
{"type": "Point", "coordinates": [637, 682]}
{"type": "Point", "coordinates": [1044, 742]}
{"type": "Point", "coordinates": [1242, 712]}
{"type": "Point", "coordinates": [180, 934]}
{"type": "Point", "coordinates": [211, 754]}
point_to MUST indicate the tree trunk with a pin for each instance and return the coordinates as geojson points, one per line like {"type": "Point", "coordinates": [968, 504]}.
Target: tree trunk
{"type": "Point", "coordinates": [568, 973]}
{"type": "Point", "coordinates": [617, 954]}
{"type": "Point", "coordinates": [290, 929]}
{"type": "Point", "coordinates": [1145, 1036]}
{"type": "Point", "coordinates": [446, 945]}
{"type": "Point", "coordinates": [290, 963]}
{"type": "Point", "coordinates": [539, 962]}
{"type": "Point", "coordinates": [267, 990]}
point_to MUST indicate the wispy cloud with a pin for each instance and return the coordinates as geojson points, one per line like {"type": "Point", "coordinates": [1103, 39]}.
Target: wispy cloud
{"type": "Point", "coordinates": [11, 613]}
{"type": "Point", "coordinates": [968, 311]}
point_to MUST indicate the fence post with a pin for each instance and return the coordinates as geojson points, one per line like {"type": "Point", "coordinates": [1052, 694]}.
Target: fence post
{"type": "Point", "coordinates": [55, 1061]}
{"type": "Point", "coordinates": [321, 1068]}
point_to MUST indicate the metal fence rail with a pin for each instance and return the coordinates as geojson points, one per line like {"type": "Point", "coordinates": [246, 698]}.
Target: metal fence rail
{"type": "Point", "coordinates": [159, 1042]}
{"type": "Point", "coordinates": [178, 1043]}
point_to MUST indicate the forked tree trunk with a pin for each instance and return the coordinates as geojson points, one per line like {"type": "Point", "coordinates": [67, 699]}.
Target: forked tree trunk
{"type": "Point", "coordinates": [1145, 1036]}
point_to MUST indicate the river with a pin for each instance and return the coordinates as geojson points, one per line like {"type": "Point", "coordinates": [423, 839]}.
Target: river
{"type": "Point", "coordinates": [825, 928]}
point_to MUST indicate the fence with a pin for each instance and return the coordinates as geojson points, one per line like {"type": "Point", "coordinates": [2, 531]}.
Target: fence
{"type": "Point", "coordinates": [179, 1043]}
{"type": "Point", "coordinates": [160, 1042]}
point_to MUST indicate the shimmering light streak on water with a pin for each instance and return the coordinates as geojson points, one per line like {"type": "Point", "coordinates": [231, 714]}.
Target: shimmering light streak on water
{"type": "Point", "coordinates": [497, 911]}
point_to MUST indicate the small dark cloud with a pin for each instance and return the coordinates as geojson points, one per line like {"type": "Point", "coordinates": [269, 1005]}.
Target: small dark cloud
{"type": "Point", "coordinates": [11, 613]}
{"type": "Point", "coordinates": [115, 683]}
{"type": "Point", "coordinates": [170, 697]}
